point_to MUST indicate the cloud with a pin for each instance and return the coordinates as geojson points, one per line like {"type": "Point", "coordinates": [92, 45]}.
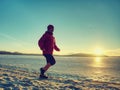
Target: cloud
{"type": "Point", "coordinates": [7, 36]}
{"type": "Point", "coordinates": [10, 43]}
{"type": "Point", "coordinates": [115, 52]}
{"type": "Point", "coordinates": [13, 41]}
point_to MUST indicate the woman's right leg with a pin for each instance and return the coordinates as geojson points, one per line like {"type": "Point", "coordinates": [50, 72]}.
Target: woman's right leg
{"type": "Point", "coordinates": [47, 66]}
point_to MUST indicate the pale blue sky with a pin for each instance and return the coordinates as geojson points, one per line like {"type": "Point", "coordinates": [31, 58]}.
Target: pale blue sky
{"type": "Point", "coordinates": [80, 25]}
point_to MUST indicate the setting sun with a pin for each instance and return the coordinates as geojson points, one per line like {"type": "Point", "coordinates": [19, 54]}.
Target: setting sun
{"type": "Point", "coordinates": [98, 51]}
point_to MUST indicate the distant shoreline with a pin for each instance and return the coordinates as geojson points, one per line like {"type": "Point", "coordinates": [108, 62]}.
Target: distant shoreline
{"type": "Point", "coordinates": [16, 53]}
{"type": "Point", "coordinates": [69, 55]}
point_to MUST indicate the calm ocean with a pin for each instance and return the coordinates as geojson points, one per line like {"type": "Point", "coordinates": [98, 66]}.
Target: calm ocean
{"type": "Point", "coordinates": [95, 68]}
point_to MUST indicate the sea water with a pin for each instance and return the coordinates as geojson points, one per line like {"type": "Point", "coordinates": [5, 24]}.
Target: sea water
{"type": "Point", "coordinates": [96, 68]}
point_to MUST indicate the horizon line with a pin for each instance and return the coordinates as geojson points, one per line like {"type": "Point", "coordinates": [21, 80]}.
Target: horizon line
{"type": "Point", "coordinates": [73, 54]}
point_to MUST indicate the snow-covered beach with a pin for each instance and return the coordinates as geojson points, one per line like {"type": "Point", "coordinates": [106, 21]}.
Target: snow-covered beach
{"type": "Point", "coordinates": [20, 72]}
{"type": "Point", "coordinates": [12, 78]}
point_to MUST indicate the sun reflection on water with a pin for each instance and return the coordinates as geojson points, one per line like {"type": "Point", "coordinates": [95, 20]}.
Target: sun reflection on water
{"type": "Point", "coordinates": [98, 62]}
{"type": "Point", "coordinates": [98, 59]}
{"type": "Point", "coordinates": [98, 65]}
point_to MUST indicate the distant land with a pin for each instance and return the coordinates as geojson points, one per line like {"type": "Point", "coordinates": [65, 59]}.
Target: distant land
{"type": "Point", "coordinates": [85, 55]}
{"type": "Point", "coordinates": [15, 53]}
{"type": "Point", "coordinates": [70, 55]}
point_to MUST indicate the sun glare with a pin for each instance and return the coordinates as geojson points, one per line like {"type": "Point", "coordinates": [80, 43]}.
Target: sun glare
{"type": "Point", "coordinates": [98, 51]}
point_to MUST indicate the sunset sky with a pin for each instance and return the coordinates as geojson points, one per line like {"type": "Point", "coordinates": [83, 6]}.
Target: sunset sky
{"type": "Point", "coordinates": [81, 26]}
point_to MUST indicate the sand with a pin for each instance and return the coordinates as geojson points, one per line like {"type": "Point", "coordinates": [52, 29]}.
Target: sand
{"type": "Point", "coordinates": [21, 79]}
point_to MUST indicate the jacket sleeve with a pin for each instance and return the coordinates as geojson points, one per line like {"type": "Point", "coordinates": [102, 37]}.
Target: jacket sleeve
{"type": "Point", "coordinates": [56, 47]}
{"type": "Point", "coordinates": [41, 42]}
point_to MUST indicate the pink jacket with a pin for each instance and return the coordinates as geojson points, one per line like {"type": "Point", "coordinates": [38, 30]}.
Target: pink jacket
{"type": "Point", "coordinates": [47, 43]}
